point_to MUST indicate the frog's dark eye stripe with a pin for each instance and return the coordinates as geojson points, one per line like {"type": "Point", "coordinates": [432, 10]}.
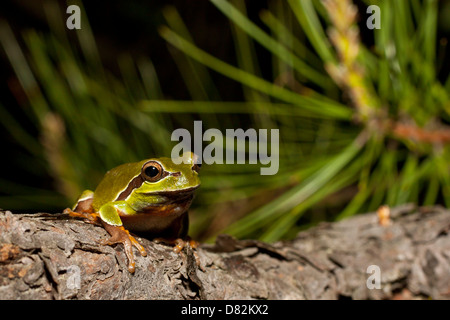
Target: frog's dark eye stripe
{"type": "Point", "coordinates": [136, 182]}
{"type": "Point", "coordinates": [196, 167]}
{"type": "Point", "coordinates": [151, 171]}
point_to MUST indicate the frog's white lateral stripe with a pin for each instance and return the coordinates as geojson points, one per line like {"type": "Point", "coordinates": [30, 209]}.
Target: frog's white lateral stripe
{"type": "Point", "coordinates": [136, 182]}
{"type": "Point", "coordinates": [84, 202]}
{"type": "Point", "coordinates": [86, 197]}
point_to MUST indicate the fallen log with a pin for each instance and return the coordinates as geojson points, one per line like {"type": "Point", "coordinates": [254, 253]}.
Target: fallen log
{"type": "Point", "coordinates": [52, 256]}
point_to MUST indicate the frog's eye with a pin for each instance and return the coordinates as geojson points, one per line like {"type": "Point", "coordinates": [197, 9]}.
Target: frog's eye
{"type": "Point", "coordinates": [153, 171]}
{"type": "Point", "coordinates": [196, 167]}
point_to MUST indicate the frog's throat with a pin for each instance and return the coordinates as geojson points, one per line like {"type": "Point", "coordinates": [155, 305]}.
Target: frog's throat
{"type": "Point", "coordinates": [176, 192]}
{"type": "Point", "coordinates": [170, 203]}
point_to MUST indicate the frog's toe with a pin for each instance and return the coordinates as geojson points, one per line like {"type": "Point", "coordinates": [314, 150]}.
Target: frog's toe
{"type": "Point", "coordinates": [90, 217]}
{"type": "Point", "coordinates": [120, 235]}
{"type": "Point", "coordinates": [138, 246]}
{"type": "Point", "coordinates": [181, 243]}
{"type": "Point", "coordinates": [178, 243]}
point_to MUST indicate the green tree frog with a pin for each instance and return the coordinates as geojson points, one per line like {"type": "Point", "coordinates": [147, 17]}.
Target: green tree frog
{"type": "Point", "coordinates": [151, 196]}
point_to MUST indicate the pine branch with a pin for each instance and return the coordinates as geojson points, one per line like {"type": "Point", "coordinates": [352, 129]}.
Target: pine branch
{"type": "Point", "coordinates": [44, 256]}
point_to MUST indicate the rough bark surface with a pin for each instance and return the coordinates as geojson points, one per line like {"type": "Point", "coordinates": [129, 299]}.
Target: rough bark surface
{"type": "Point", "coordinates": [45, 256]}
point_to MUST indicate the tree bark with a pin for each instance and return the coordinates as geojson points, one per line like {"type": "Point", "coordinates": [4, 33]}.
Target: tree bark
{"type": "Point", "coordinates": [45, 256]}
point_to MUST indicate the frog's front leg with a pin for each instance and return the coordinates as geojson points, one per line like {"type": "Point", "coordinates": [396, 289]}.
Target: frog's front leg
{"type": "Point", "coordinates": [83, 208]}
{"type": "Point", "coordinates": [109, 214]}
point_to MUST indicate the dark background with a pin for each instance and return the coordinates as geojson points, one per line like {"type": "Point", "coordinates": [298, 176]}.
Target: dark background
{"type": "Point", "coordinates": [132, 27]}
{"type": "Point", "coordinates": [122, 26]}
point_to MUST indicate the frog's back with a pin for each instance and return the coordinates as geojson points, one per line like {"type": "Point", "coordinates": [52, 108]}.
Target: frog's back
{"type": "Point", "coordinates": [114, 182]}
